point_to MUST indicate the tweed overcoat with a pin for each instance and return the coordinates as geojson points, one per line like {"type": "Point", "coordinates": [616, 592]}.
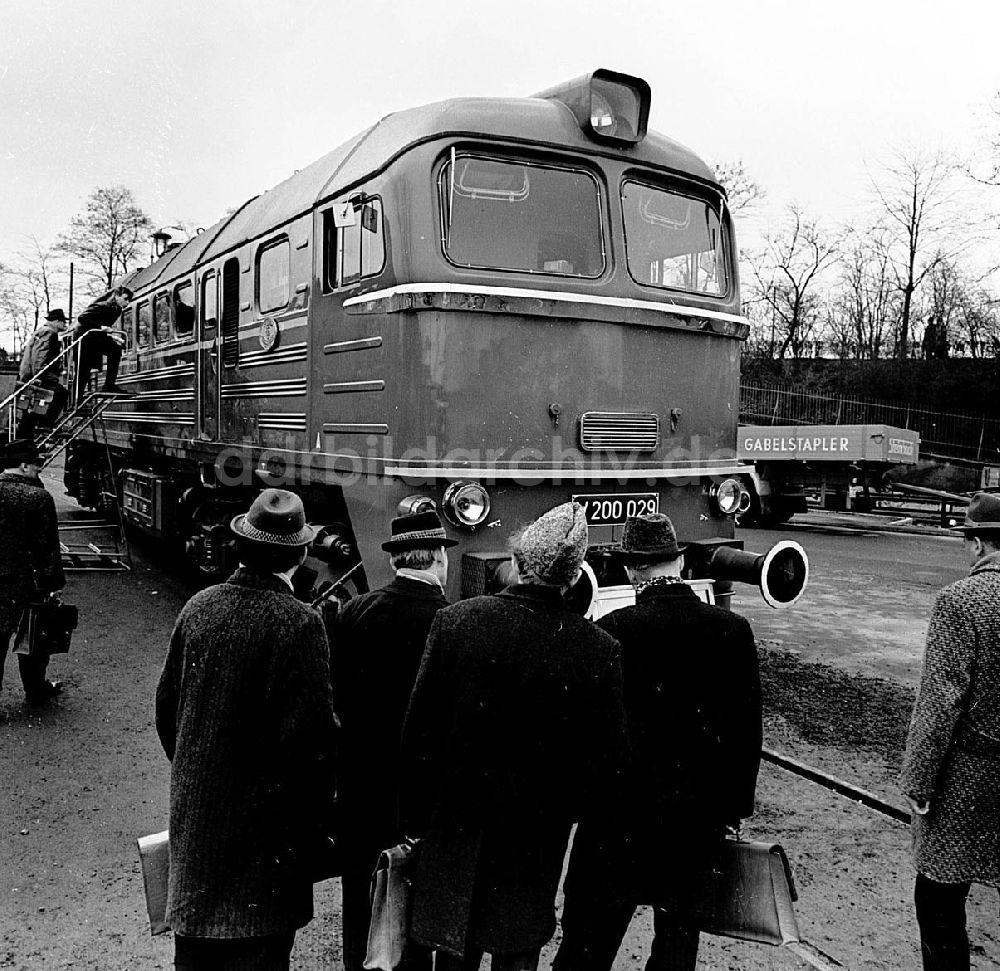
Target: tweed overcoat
{"type": "Point", "coordinates": [693, 703]}
{"type": "Point", "coordinates": [375, 651]}
{"type": "Point", "coordinates": [953, 750]}
{"type": "Point", "coordinates": [29, 545]}
{"type": "Point", "coordinates": [44, 348]}
{"type": "Point", "coordinates": [245, 714]}
{"type": "Point", "coordinates": [515, 730]}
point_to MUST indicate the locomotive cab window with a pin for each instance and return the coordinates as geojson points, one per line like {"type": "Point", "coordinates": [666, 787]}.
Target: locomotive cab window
{"type": "Point", "coordinates": [184, 309]}
{"type": "Point", "coordinates": [128, 326]}
{"type": "Point", "coordinates": [143, 324]}
{"type": "Point", "coordinates": [353, 242]}
{"type": "Point", "coordinates": [272, 276]}
{"type": "Point", "coordinates": [509, 215]}
{"type": "Point", "coordinates": [673, 241]}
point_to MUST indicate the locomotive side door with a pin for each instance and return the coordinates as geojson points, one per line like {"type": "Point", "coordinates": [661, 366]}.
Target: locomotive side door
{"type": "Point", "coordinates": [209, 351]}
{"type": "Point", "coordinates": [229, 342]}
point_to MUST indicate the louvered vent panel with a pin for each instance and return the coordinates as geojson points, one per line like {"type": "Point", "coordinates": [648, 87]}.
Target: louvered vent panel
{"type": "Point", "coordinates": [619, 431]}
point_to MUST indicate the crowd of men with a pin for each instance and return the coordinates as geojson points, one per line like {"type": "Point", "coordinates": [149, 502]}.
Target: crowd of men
{"type": "Point", "coordinates": [486, 729]}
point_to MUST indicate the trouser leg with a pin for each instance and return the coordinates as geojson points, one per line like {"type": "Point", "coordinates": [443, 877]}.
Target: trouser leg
{"type": "Point", "coordinates": [112, 358]}
{"type": "Point", "coordinates": [944, 942]}
{"type": "Point", "coordinates": [355, 915]}
{"type": "Point", "coordinates": [271, 953]}
{"type": "Point", "coordinates": [448, 962]}
{"type": "Point", "coordinates": [675, 941]}
{"type": "Point", "coordinates": [592, 932]}
{"type": "Point", "coordinates": [32, 668]}
{"type": "Point", "coordinates": [5, 636]}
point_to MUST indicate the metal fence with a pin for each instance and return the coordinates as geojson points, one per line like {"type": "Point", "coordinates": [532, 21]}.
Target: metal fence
{"type": "Point", "coordinates": [973, 438]}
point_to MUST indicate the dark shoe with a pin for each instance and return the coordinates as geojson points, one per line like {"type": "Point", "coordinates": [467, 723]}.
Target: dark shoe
{"type": "Point", "coordinates": [46, 693]}
{"type": "Point", "coordinates": [115, 391]}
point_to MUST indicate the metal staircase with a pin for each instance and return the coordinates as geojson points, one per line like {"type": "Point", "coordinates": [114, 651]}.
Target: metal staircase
{"type": "Point", "coordinates": [82, 418]}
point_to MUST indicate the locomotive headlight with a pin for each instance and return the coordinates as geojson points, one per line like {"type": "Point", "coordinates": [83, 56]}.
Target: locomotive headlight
{"type": "Point", "coordinates": [727, 496]}
{"type": "Point", "coordinates": [414, 504]}
{"type": "Point", "coordinates": [465, 503]}
{"type": "Point", "coordinates": [608, 106]}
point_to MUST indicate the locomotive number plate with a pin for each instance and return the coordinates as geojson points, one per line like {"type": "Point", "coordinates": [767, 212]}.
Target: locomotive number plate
{"type": "Point", "coordinates": [610, 510]}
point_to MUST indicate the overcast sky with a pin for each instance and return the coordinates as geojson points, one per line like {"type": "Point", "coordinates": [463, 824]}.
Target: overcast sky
{"type": "Point", "coordinates": [198, 104]}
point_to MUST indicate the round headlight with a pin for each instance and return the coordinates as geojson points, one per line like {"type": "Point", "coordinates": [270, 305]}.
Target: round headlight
{"type": "Point", "coordinates": [465, 503]}
{"type": "Point", "coordinates": [727, 496]}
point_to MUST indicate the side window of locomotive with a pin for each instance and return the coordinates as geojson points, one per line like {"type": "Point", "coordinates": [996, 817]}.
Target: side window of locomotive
{"type": "Point", "coordinates": [128, 326]}
{"type": "Point", "coordinates": [184, 309]}
{"type": "Point", "coordinates": [144, 324]}
{"type": "Point", "coordinates": [673, 241]}
{"type": "Point", "coordinates": [161, 318]}
{"type": "Point", "coordinates": [508, 215]}
{"type": "Point", "coordinates": [272, 276]}
{"type": "Point", "coordinates": [209, 302]}
{"type": "Point", "coordinates": [353, 243]}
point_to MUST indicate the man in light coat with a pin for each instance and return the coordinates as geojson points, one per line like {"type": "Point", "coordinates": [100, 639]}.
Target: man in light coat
{"type": "Point", "coordinates": [515, 730]}
{"type": "Point", "coordinates": [951, 769]}
{"type": "Point", "coordinates": [244, 712]}
{"type": "Point", "coordinates": [693, 704]}
{"type": "Point", "coordinates": [376, 646]}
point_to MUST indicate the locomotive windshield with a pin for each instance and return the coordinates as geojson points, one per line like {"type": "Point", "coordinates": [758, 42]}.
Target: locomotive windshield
{"type": "Point", "coordinates": [508, 215]}
{"type": "Point", "coordinates": [673, 241]}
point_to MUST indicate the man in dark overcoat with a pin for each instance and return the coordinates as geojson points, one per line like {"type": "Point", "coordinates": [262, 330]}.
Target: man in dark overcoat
{"type": "Point", "coordinates": [376, 648]}
{"type": "Point", "coordinates": [30, 560]}
{"type": "Point", "coordinates": [693, 703]}
{"type": "Point", "coordinates": [515, 730]}
{"type": "Point", "coordinates": [93, 325]}
{"type": "Point", "coordinates": [40, 359]}
{"type": "Point", "coordinates": [951, 769]}
{"type": "Point", "coordinates": [244, 711]}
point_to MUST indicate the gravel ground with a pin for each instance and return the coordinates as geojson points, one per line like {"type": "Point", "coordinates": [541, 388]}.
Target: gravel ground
{"type": "Point", "coordinates": [85, 777]}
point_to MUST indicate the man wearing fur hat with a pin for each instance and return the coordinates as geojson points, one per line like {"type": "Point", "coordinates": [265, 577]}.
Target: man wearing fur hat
{"type": "Point", "coordinates": [515, 729]}
{"type": "Point", "coordinates": [951, 769]}
{"type": "Point", "coordinates": [693, 703]}
{"type": "Point", "coordinates": [376, 648]}
{"type": "Point", "coordinates": [244, 711]}
{"type": "Point", "coordinates": [30, 561]}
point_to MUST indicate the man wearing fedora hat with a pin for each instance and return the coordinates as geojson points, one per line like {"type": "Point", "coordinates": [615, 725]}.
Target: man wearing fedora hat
{"type": "Point", "coordinates": [951, 768]}
{"type": "Point", "coordinates": [40, 359]}
{"type": "Point", "coordinates": [30, 560]}
{"type": "Point", "coordinates": [515, 730]}
{"type": "Point", "coordinates": [376, 646]}
{"type": "Point", "coordinates": [244, 712]}
{"type": "Point", "coordinates": [693, 703]}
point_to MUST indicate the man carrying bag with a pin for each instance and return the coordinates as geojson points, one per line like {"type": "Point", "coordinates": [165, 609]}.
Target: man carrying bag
{"type": "Point", "coordinates": [30, 559]}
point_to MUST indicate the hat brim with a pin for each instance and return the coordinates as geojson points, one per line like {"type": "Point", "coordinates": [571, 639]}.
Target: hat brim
{"type": "Point", "coordinates": [402, 545]}
{"type": "Point", "coordinates": [650, 556]}
{"type": "Point", "coordinates": [977, 528]}
{"type": "Point", "coordinates": [244, 530]}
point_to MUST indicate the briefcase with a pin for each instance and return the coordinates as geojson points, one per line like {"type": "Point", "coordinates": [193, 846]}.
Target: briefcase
{"type": "Point", "coordinates": [46, 628]}
{"type": "Point", "coordinates": [753, 894]}
{"type": "Point", "coordinates": [154, 856]}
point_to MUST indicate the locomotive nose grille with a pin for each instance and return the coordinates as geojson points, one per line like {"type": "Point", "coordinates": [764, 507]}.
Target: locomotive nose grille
{"type": "Point", "coordinates": [628, 431]}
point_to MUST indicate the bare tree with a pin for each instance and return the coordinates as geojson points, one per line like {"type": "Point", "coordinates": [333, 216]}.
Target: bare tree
{"type": "Point", "coordinates": [741, 191]}
{"type": "Point", "coordinates": [16, 314]}
{"type": "Point", "coordinates": [106, 238]}
{"type": "Point", "coordinates": [786, 278]}
{"type": "Point", "coordinates": [865, 301]}
{"type": "Point", "coordinates": [916, 191]}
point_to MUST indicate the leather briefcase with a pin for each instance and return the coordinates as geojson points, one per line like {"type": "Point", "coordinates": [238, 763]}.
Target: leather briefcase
{"type": "Point", "coordinates": [46, 628]}
{"type": "Point", "coordinates": [753, 894]}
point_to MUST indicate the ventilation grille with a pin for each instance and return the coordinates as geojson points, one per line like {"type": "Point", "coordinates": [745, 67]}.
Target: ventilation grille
{"type": "Point", "coordinates": [619, 431]}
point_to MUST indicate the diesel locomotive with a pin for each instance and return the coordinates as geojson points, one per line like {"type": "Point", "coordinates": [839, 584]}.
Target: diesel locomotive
{"type": "Point", "coordinates": [485, 306]}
